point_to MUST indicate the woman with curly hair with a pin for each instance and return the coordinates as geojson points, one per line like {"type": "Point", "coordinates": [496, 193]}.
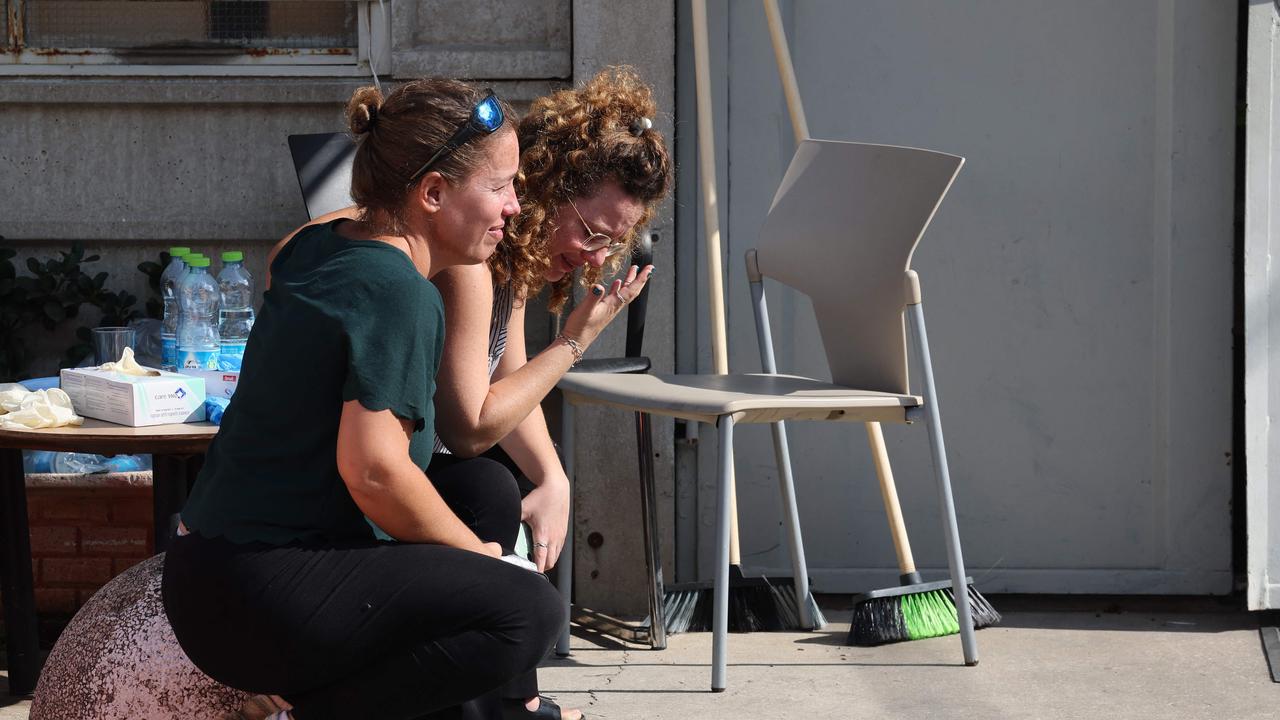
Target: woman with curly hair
{"type": "Point", "coordinates": [592, 172]}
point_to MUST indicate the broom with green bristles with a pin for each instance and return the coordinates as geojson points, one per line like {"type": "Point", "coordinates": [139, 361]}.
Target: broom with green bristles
{"type": "Point", "coordinates": [916, 609]}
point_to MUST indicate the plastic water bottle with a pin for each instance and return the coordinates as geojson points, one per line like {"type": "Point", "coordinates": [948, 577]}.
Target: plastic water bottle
{"type": "Point", "coordinates": [198, 298]}
{"type": "Point", "coordinates": [235, 319]}
{"type": "Point", "coordinates": [173, 272]}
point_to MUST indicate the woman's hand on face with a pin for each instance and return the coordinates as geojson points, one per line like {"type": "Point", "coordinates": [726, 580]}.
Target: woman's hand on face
{"type": "Point", "coordinates": [603, 304]}
{"type": "Point", "coordinates": [546, 509]}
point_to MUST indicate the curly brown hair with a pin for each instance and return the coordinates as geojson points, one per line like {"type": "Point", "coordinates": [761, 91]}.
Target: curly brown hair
{"type": "Point", "coordinates": [396, 135]}
{"type": "Point", "coordinates": [570, 143]}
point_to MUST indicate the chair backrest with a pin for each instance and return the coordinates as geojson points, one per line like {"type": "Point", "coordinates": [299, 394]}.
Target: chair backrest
{"type": "Point", "coordinates": [323, 164]}
{"type": "Point", "coordinates": [842, 229]}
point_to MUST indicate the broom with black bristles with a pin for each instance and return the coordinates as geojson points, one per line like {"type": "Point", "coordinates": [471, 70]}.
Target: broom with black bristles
{"type": "Point", "coordinates": [916, 609]}
{"type": "Point", "coordinates": [754, 603]}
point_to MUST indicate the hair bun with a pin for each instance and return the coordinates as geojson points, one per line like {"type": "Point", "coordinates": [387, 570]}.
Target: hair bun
{"type": "Point", "coordinates": [362, 109]}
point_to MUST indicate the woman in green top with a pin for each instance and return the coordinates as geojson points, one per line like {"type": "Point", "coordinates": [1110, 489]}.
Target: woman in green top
{"type": "Point", "coordinates": [276, 584]}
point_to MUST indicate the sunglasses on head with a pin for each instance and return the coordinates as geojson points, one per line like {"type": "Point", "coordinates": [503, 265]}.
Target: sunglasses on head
{"type": "Point", "coordinates": [597, 240]}
{"type": "Point", "coordinates": [486, 117]}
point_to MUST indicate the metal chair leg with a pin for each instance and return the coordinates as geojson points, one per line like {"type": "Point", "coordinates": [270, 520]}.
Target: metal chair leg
{"type": "Point", "coordinates": [652, 550]}
{"type": "Point", "coordinates": [564, 567]}
{"type": "Point", "coordinates": [720, 617]}
{"type": "Point", "coordinates": [968, 642]}
{"type": "Point", "coordinates": [786, 485]}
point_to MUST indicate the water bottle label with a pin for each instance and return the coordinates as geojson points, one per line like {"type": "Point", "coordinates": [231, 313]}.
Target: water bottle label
{"type": "Point", "coordinates": [199, 360]}
{"type": "Point", "coordinates": [169, 353]}
{"type": "Point", "coordinates": [231, 356]}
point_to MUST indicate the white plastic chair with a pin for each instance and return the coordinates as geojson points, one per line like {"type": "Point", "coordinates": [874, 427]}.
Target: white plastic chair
{"type": "Point", "coordinates": [842, 228]}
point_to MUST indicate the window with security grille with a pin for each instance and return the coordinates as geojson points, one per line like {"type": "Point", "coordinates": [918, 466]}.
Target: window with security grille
{"type": "Point", "coordinates": [186, 32]}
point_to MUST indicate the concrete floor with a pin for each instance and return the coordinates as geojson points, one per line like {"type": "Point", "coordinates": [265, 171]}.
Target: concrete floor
{"type": "Point", "coordinates": [1050, 658]}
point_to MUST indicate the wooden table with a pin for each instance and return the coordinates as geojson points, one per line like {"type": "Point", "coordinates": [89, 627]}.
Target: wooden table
{"type": "Point", "coordinates": [177, 452]}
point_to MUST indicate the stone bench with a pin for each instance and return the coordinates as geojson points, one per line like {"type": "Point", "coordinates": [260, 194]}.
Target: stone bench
{"type": "Point", "coordinates": [119, 660]}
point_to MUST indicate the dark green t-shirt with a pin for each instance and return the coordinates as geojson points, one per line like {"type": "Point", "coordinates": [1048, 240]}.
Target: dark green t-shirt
{"type": "Point", "coordinates": [343, 320]}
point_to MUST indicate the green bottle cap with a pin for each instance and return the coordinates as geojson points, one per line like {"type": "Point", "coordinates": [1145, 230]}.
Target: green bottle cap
{"type": "Point", "coordinates": [233, 256]}
{"type": "Point", "coordinates": [198, 261]}
{"type": "Point", "coordinates": [178, 251]}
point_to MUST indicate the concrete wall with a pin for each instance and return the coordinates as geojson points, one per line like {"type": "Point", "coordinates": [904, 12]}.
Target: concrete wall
{"type": "Point", "coordinates": [610, 566]}
{"type": "Point", "coordinates": [130, 165]}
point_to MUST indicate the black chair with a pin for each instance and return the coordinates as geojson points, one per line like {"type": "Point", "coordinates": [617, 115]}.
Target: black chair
{"type": "Point", "coordinates": [322, 162]}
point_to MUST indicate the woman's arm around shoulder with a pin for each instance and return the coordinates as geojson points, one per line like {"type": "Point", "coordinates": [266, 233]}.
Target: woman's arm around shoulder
{"type": "Point", "coordinates": [347, 212]}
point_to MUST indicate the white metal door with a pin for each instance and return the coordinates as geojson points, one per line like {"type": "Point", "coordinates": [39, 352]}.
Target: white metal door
{"type": "Point", "coordinates": [1262, 304]}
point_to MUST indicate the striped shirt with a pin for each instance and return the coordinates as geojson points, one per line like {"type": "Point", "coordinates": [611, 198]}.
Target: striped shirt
{"type": "Point", "coordinates": [503, 299]}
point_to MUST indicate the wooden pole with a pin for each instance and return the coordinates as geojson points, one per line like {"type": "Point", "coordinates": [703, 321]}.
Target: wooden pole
{"type": "Point", "coordinates": [782, 53]}
{"type": "Point", "coordinates": [711, 220]}
{"type": "Point", "coordinates": [875, 437]}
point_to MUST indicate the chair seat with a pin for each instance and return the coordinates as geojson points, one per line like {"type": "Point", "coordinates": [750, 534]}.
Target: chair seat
{"type": "Point", "coordinates": [751, 398]}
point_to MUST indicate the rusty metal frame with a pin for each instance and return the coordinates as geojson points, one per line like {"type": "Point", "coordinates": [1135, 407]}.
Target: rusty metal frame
{"type": "Point", "coordinates": [13, 9]}
{"type": "Point", "coordinates": [17, 57]}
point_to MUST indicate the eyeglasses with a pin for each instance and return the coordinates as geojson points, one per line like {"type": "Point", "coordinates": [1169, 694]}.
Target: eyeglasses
{"type": "Point", "coordinates": [597, 240]}
{"type": "Point", "coordinates": [486, 118]}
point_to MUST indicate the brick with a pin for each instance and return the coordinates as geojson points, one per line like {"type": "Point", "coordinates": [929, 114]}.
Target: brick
{"type": "Point", "coordinates": [79, 507]}
{"type": "Point", "coordinates": [56, 601]}
{"type": "Point", "coordinates": [53, 540]}
{"type": "Point", "coordinates": [119, 565]}
{"type": "Point", "coordinates": [134, 510]}
{"type": "Point", "coordinates": [113, 542]}
{"type": "Point", "coordinates": [75, 571]}
{"type": "Point", "coordinates": [37, 501]}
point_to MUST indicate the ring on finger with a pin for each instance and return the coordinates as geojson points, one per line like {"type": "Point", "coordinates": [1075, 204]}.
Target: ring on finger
{"type": "Point", "coordinates": [542, 545]}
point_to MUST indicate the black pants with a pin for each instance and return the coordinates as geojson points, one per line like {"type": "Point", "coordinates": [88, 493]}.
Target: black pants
{"type": "Point", "coordinates": [364, 628]}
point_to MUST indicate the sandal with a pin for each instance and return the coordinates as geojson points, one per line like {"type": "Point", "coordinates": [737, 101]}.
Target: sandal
{"type": "Point", "coordinates": [547, 710]}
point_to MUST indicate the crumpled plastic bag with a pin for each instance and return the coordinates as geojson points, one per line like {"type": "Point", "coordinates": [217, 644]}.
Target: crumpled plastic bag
{"type": "Point", "coordinates": [127, 365]}
{"type": "Point", "coordinates": [26, 409]}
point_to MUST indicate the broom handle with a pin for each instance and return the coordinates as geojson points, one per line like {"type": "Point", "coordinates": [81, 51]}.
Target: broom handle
{"type": "Point", "coordinates": [889, 492]}
{"type": "Point", "coordinates": [711, 218]}
{"type": "Point", "coordinates": [875, 437]}
{"type": "Point", "coordinates": [790, 88]}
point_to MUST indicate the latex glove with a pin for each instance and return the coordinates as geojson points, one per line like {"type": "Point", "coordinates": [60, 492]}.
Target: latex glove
{"type": "Point", "coordinates": [24, 409]}
{"type": "Point", "coordinates": [546, 509]}
{"type": "Point", "coordinates": [127, 365]}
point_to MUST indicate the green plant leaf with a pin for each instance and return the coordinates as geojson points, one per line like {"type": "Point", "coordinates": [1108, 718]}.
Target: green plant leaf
{"type": "Point", "coordinates": [54, 311]}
